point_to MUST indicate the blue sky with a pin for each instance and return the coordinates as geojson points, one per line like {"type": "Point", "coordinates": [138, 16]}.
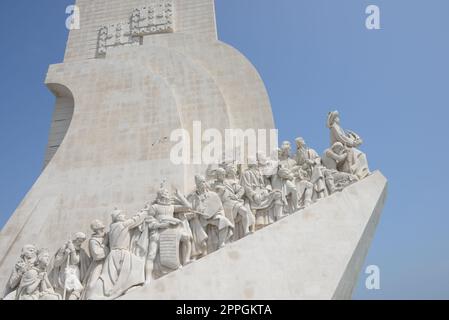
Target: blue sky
{"type": "Point", "coordinates": [390, 85]}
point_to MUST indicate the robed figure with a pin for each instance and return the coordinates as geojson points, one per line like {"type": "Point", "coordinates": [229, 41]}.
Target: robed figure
{"type": "Point", "coordinates": [165, 238]}
{"type": "Point", "coordinates": [231, 193]}
{"type": "Point", "coordinates": [210, 228]}
{"type": "Point", "coordinates": [69, 268]}
{"type": "Point", "coordinates": [99, 250]}
{"type": "Point", "coordinates": [122, 269]}
{"type": "Point", "coordinates": [35, 284]}
{"type": "Point", "coordinates": [27, 260]}
{"type": "Point", "coordinates": [357, 160]}
{"type": "Point", "coordinates": [265, 203]}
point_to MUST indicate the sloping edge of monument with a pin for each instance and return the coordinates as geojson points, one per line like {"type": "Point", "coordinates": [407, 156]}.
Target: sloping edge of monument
{"type": "Point", "coordinates": [301, 267]}
{"type": "Point", "coordinates": [348, 282]}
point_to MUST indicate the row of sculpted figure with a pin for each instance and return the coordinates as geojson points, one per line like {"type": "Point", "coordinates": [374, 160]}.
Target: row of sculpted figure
{"type": "Point", "coordinates": [176, 230]}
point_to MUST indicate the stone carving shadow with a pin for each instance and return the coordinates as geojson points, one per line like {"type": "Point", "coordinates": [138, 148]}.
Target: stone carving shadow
{"type": "Point", "coordinates": [62, 117]}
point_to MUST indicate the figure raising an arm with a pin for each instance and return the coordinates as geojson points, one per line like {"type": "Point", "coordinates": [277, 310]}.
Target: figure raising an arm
{"type": "Point", "coordinates": [122, 269]}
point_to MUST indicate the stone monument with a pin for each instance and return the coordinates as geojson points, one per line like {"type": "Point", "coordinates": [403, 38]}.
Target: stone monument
{"type": "Point", "coordinates": [133, 73]}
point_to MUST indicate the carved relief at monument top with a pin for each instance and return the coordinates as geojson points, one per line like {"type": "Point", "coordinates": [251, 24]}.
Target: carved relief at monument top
{"type": "Point", "coordinates": [154, 18]}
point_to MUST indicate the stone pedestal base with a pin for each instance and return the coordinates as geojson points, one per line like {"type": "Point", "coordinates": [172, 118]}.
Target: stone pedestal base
{"type": "Point", "coordinates": [314, 254]}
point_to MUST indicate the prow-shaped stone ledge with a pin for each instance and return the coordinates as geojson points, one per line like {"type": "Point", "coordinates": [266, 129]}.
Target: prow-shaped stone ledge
{"type": "Point", "coordinates": [316, 253]}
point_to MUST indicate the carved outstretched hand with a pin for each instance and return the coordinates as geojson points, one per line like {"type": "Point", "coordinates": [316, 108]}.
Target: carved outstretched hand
{"type": "Point", "coordinates": [178, 193]}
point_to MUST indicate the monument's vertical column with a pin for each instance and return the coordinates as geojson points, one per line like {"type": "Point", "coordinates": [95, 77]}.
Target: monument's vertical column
{"type": "Point", "coordinates": [135, 72]}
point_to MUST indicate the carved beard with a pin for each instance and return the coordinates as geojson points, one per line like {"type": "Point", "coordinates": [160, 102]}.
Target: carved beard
{"type": "Point", "coordinates": [202, 189]}
{"type": "Point", "coordinates": [164, 201]}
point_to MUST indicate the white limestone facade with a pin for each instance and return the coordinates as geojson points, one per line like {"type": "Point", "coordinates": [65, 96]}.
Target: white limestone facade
{"type": "Point", "coordinates": [115, 109]}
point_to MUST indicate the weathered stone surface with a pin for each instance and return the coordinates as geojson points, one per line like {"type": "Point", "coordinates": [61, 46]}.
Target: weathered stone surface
{"type": "Point", "coordinates": [314, 254]}
{"type": "Point", "coordinates": [134, 73]}
{"type": "Point", "coordinates": [112, 150]}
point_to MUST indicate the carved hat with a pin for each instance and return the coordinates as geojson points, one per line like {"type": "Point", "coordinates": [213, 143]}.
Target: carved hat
{"type": "Point", "coordinates": [252, 160]}
{"type": "Point", "coordinates": [115, 214]}
{"type": "Point", "coordinates": [300, 140]}
{"type": "Point", "coordinates": [219, 171]}
{"type": "Point", "coordinates": [163, 191]}
{"type": "Point", "coordinates": [80, 236]}
{"type": "Point", "coordinates": [286, 144]}
{"type": "Point", "coordinates": [97, 225]}
{"type": "Point", "coordinates": [199, 178]}
{"type": "Point", "coordinates": [29, 248]}
{"type": "Point", "coordinates": [262, 159]}
{"type": "Point", "coordinates": [331, 118]}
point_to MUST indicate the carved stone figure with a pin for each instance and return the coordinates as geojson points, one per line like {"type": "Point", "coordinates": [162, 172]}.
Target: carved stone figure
{"type": "Point", "coordinates": [210, 218]}
{"type": "Point", "coordinates": [304, 186]}
{"type": "Point", "coordinates": [309, 161]}
{"type": "Point", "coordinates": [284, 180]}
{"type": "Point", "coordinates": [338, 174]}
{"type": "Point", "coordinates": [166, 241]}
{"type": "Point", "coordinates": [337, 181]}
{"type": "Point", "coordinates": [174, 231]}
{"type": "Point", "coordinates": [356, 159]}
{"type": "Point", "coordinates": [99, 250]}
{"type": "Point", "coordinates": [69, 268]}
{"type": "Point", "coordinates": [122, 269]}
{"type": "Point", "coordinates": [336, 158]}
{"type": "Point", "coordinates": [231, 194]}
{"type": "Point", "coordinates": [35, 284]}
{"type": "Point", "coordinates": [310, 180]}
{"type": "Point", "coordinates": [26, 261]}
{"type": "Point", "coordinates": [265, 203]}
{"type": "Point", "coordinates": [305, 155]}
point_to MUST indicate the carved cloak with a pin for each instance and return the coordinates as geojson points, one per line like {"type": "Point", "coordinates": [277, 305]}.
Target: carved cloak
{"type": "Point", "coordinates": [122, 269]}
{"type": "Point", "coordinates": [57, 273]}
